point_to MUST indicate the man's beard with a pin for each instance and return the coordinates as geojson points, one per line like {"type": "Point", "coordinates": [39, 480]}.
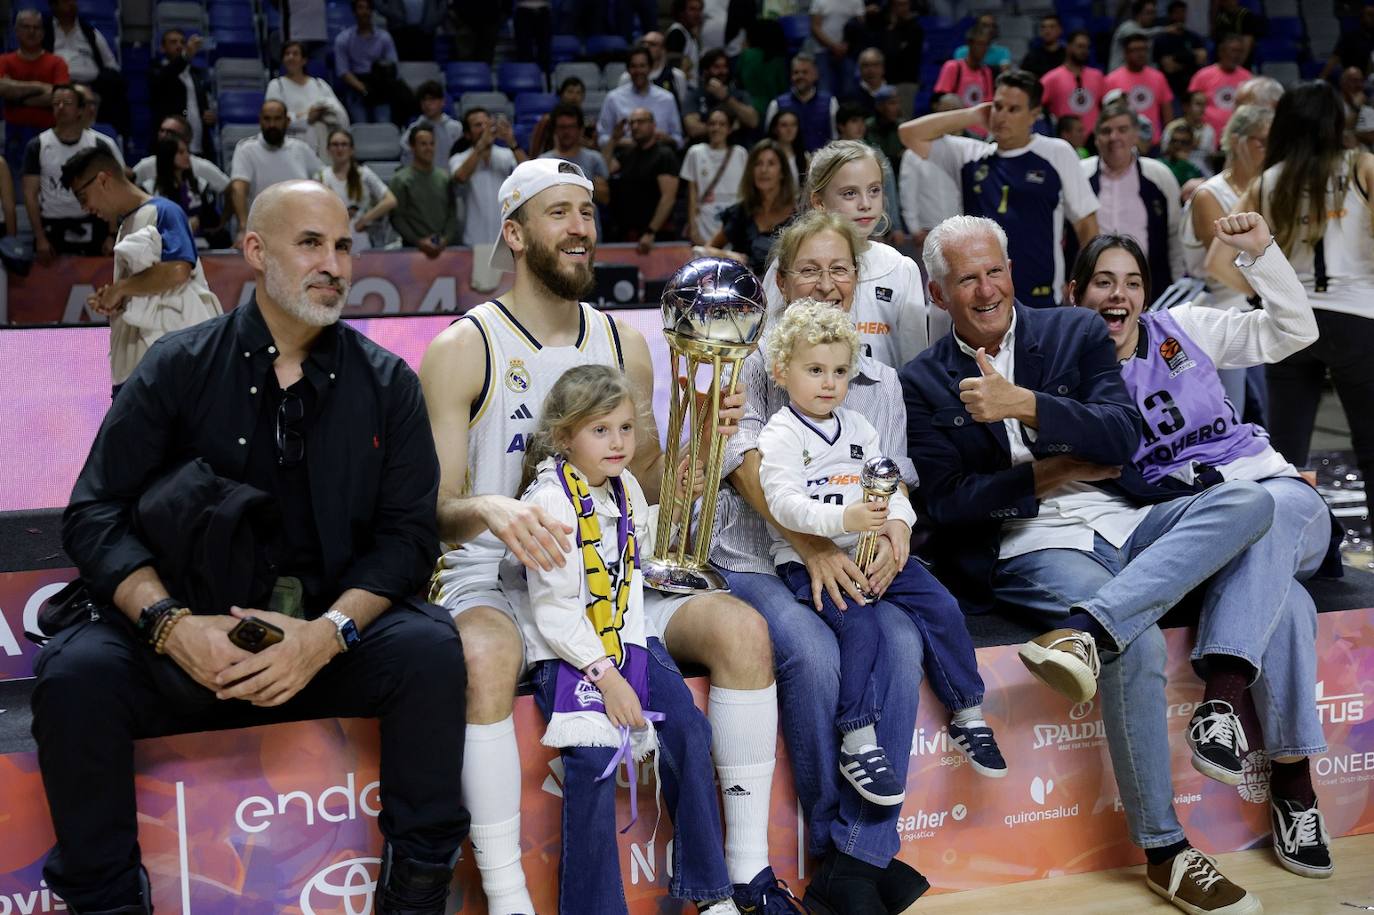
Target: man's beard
{"type": "Point", "coordinates": [573, 283]}
{"type": "Point", "coordinates": [297, 302]}
{"type": "Point", "coordinates": [273, 136]}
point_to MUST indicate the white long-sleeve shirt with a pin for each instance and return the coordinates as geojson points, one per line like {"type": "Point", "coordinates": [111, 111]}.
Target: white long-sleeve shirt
{"type": "Point", "coordinates": [551, 607]}
{"type": "Point", "coordinates": [810, 471]}
{"type": "Point", "coordinates": [1239, 339]}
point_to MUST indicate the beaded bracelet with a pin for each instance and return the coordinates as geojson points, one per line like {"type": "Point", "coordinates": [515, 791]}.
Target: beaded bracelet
{"type": "Point", "coordinates": [164, 629]}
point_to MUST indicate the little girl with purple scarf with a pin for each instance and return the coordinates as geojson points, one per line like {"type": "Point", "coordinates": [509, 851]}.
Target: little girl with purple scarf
{"type": "Point", "coordinates": [608, 688]}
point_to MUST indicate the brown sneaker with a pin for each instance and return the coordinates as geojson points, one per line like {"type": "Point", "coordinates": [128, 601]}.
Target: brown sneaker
{"type": "Point", "coordinates": [1065, 660]}
{"type": "Point", "coordinates": [1191, 881]}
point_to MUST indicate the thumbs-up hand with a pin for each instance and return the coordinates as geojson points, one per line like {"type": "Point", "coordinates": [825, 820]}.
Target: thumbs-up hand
{"type": "Point", "coordinates": [992, 398]}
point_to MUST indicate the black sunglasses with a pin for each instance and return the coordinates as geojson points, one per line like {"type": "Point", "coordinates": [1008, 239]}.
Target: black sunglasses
{"type": "Point", "coordinates": [290, 439]}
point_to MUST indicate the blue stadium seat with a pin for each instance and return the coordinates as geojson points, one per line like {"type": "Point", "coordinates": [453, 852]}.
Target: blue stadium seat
{"type": "Point", "coordinates": [467, 76]}
{"type": "Point", "coordinates": [534, 104]}
{"type": "Point", "coordinates": [239, 106]}
{"type": "Point", "coordinates": [524, 133]}
{"type": "Point", "coordinates": [796, 28]}
{"type": "Point", "coordinates": [514, 78]}
{"type": "Point", "coordinates": [235, 43]}
{"type": "Point", "coordinates": [1277, 49]}
{"type": "Point", "coordinates": [606, 46]}
{"type": "Point", "coordinates": [563, 48]}
{"type": "Point", "coordinates": [231, 16]}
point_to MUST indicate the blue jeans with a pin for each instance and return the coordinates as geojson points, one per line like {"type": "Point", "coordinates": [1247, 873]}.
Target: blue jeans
{"type": "Point", "coordinates": [950, 661]}
{"type": "Point", "coordinates": [807, 661]}
{"type": "Point", "coordinates": [363, 109]}
{"type": "Point", "coordinates": [589, 870]}
{"type": "Point", "coordinates": [1256, 609]}
{"type": "Point", "coordinates": [1179, 545]}
{"type": "Point", "coordinates": [17, 139]}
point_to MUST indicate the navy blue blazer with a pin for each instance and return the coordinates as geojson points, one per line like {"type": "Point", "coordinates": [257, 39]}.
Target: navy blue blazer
{"type": "Point", "coordinates": [968, 485]}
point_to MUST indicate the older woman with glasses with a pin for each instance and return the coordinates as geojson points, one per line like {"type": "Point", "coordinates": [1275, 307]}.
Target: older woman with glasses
{"type": "Point", "coordinates": [818, 258]}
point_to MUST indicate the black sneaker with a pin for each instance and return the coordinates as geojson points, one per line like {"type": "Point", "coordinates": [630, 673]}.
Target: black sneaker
{"type": "Point", "coordinates": [872, 776]}
{"type": "Point", "coordinates": [980, 747]}
{"type": "Point", "coordinates": [900, 886]}
{"type": "Point", "coordinates": [1218, 742]}
{"type": "Point", "coordinates": [1301, 841]}
{"type": "Point", "coordinates": [766, 895]}
{"type": "Point", "coordinates": [844, 886]}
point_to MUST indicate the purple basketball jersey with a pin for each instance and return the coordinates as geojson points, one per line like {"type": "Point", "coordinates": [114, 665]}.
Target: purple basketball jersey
{"type": "Point", "coordinates": [1187, 417]}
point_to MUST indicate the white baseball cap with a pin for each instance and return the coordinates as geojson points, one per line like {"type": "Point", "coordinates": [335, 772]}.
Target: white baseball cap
{"type": "Point", "coordinates": [530, 178]}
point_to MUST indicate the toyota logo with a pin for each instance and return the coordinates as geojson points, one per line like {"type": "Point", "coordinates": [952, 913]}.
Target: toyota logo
{"type": "Point", "coordinates": [350, 881]}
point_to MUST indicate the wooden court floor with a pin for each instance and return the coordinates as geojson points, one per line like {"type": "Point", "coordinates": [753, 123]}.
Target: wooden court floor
{"type": "Point", "coordinates": [1123, 891]}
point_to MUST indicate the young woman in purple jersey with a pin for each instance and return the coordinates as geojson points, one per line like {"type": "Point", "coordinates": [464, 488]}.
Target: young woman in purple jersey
{"type": "Point", "coordinates": [1258, 623]}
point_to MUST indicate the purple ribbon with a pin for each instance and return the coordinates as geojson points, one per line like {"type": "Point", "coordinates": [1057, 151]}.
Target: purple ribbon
{"type": "Point", "coordinates": [626, 755]}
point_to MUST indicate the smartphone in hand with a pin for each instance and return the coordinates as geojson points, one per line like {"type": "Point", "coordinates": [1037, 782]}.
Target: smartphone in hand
{"type": "Point", "coordinates": [253, 635]}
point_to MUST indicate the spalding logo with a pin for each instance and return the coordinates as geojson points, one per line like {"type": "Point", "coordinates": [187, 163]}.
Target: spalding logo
{"type": "Point", "coordinates": [349, 881]}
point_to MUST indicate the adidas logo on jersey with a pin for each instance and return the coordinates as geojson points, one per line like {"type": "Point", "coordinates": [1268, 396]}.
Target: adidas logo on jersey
{"type": "Point", "coordinates": [522, 412]}
{"type": "Point", "coordinates": [736, 791]}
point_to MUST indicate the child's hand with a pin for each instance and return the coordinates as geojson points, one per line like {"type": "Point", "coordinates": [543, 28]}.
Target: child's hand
{"type": "Point", "coordinates": [622, 702]}
{"type": "Point", "coordinates": [862, 517]}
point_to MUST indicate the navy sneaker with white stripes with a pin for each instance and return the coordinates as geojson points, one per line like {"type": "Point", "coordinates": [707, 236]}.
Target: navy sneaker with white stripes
{"type": "Point", "coordinates": [871, 775]}
{"type": "Point", "coordinates": [978, 744]}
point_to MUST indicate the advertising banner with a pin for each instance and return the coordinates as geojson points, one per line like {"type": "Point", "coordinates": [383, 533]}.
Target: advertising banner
{"type": "Point", "coordinates": [283, 818]}
{"type": "Point", "coordinates": [384, 282]}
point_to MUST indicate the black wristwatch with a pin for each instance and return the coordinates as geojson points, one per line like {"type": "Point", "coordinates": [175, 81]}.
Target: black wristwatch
{"type": "Point", "coordinates": [150, 616]}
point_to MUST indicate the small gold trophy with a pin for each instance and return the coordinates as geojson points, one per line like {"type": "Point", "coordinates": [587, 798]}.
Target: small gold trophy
{"type": "Point", "coordinates": [879, 478]}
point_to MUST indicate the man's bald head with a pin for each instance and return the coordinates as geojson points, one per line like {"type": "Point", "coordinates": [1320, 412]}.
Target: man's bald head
{"type": "Point", "coordinates": [299, 242]}
{"type": "Point", "coordinates": [280, 207]}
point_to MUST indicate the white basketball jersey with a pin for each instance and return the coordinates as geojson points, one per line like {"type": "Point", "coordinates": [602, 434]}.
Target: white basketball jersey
{"type": "Point", "coordinates": [519, 373]}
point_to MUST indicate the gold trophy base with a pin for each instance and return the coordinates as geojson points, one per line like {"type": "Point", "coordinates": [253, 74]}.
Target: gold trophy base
{"type": "Point", "coordinates": [676, 578]}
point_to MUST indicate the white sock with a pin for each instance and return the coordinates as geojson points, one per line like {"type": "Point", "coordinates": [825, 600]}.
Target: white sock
{"type": "Point", "coordinates": [744, 740]}
{"type": "Point", "coordinates": [491, 791]}
{"type": "Point", "coordinates": [859, 740]}
{"type": "Point", "coordinates": [971, 717]}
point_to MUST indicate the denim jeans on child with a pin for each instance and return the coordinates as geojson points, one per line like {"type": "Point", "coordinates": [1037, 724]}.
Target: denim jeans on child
{"type": "Point", "coordinates": [806, 659]}
{"type": "Point", "coordinates": [589, 878]}
{"type": "Point", "coordinates": [951, 665]}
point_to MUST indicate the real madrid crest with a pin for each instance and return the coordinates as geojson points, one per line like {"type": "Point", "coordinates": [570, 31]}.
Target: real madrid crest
{"type": "Point", "coordinates": [517, 377]}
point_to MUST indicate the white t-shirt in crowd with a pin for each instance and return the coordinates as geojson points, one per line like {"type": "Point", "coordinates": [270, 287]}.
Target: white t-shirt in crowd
{"type": "Point", "coordinates": [700, 166]}
{"type": "Point", "coordinates": [73, 47]}
{"type": "Point", "coordinates": [481, 193]}
{"type": "Point", "coordinates": [263, 166]}
{"type": "Point", "coordinates": [374, 189]}
{"type": "Point", "coordinates": [835, 13]}
{"type": "Point", "coordinates": [205, 171]}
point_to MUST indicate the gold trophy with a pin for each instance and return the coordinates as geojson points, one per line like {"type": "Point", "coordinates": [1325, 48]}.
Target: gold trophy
{"type": "Point", "coordinates": [713, 311]}
{"type": "Point", "coordinates": [879, 478]}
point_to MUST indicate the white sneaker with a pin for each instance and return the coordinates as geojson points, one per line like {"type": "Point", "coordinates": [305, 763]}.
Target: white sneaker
{"type": "Point", "coordinates": [723, 907]}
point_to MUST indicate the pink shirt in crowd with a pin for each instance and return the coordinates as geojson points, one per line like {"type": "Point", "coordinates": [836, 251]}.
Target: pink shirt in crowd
{"type": "Point", "coordinates": [1220, 88]}
{"type": "Point", "coordinates": [973, 86]}
{"type": "Point", "coordinates": [1149, 94]}
{"type": "Point", "coordinates": [1070, 93]}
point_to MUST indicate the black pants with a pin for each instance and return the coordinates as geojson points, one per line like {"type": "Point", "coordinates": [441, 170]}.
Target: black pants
{"type": "Point", "coordinates": [1295, 388]}
{"type": "Point", "coordinates": [84, 236]}
{"type": "Point", "coordinates": [99, 689]}
{"type": "Point", "coordinates": [534, 35]}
